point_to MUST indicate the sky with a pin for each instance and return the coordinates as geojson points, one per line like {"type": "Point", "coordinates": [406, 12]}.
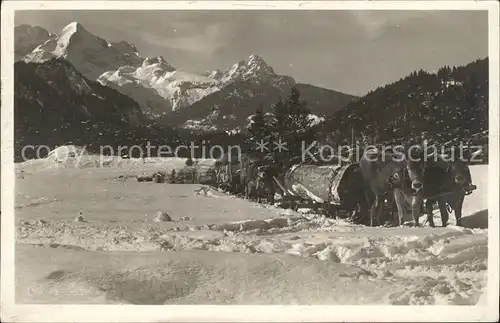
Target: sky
{"type": "Point", "coordinates": [349, 51]}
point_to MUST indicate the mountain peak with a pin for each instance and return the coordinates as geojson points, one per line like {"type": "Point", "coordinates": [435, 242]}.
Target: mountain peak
{"type": "Point", "coordinates": [74, 24]}
{"type": "Point", "coordinates": [158, 61]}
{"type": "Point", "coordinates": [257, 64]}
{"type": "Point", "coordinates": [254, 58]}
{"type": "Point", "coordinates": [214, 74]}
{"type": "Point", "coordinates": [74, 33]}
{"type": "Point", "coordinates": [254, 67]}
{"type": "Point", "coordinates": [89, 53]}
{"type": "Point", "coordinates": [72, 27]}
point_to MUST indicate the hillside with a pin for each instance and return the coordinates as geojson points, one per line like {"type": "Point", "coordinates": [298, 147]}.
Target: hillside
{"type": "Point", "coordinates": [231, 107]}
{"type": "Point", "coordinates": [54, 104]}
{"type": "Point", "coordinates": [450, 104]}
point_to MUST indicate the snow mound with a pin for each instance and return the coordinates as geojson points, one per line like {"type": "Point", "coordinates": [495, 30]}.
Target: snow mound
{"type": "Point", "coordinates": [71, 156]}
{"type": "Point", "coordinates": [67, 151]}
{"type": "Point", "coordinates": [64, 157]}
{"type": "Point", "coordinates": [209, 191]}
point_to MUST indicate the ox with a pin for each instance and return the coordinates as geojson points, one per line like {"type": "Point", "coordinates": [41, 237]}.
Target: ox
{"type": "Point", "coordinates": [384, 173]}
{"type": "Point", "coordinates": [447, 180]}
{"type": "Point", "coordinates": [256, 180]}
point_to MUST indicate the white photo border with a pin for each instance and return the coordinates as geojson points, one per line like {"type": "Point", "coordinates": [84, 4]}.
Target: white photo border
{"type": "Point", "coordinates": [11, 312]}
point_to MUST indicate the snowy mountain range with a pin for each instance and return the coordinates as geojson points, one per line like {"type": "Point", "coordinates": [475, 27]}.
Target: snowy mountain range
{"type": "Point", "coordinates": [217, 99]}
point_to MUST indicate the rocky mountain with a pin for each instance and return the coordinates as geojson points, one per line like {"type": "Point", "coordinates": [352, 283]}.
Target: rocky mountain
{"type": "Point", "coordinates": [256, 70]}
{"type": "Point", "coordinates": [27, 38]}
{"type": "Point", "coordinates": [160, 88]}
{"type": "Point", "coordinates": [88, 53]}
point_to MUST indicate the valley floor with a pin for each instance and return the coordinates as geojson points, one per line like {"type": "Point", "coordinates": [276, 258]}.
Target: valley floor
{"type": "Point", "coordinates": [220, 249]}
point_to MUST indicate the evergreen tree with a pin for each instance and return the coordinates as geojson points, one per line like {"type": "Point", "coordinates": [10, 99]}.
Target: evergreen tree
{"type": "Point", "coordinates": [292, 127]}
{"type": "Point", "coordinates": [258, 128]}
{"type": "Point", "coordinates": [258, 132]}
{"type": "Point", "coordinates": [277, 128]}
{"type": "Point", "coordinates": [279, 120]}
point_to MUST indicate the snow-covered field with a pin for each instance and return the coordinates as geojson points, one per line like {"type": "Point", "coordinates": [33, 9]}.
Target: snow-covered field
{"type": "Point", "coordinates": [220, 249]}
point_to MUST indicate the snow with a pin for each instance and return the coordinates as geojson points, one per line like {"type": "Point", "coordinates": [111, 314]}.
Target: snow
{"type": "Point", "coordinates": [234, 131]}
{"type": "Point", "coordinates": [178, 88]}
{"type": "Point", "coordinates": [220, 249]}
{"type": "Point", "coordinates": [189, 77]}
{"type": "Point", "coordinates": [64, 38]}
{"type": "Point", "coordinates": [315, 119]}
{"type": "Point", "coordinates": [214, 74]}
{"type": "Point", "coordinates": [200, 125]}
{"type": "Point", "coordinates": [268, 116]}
